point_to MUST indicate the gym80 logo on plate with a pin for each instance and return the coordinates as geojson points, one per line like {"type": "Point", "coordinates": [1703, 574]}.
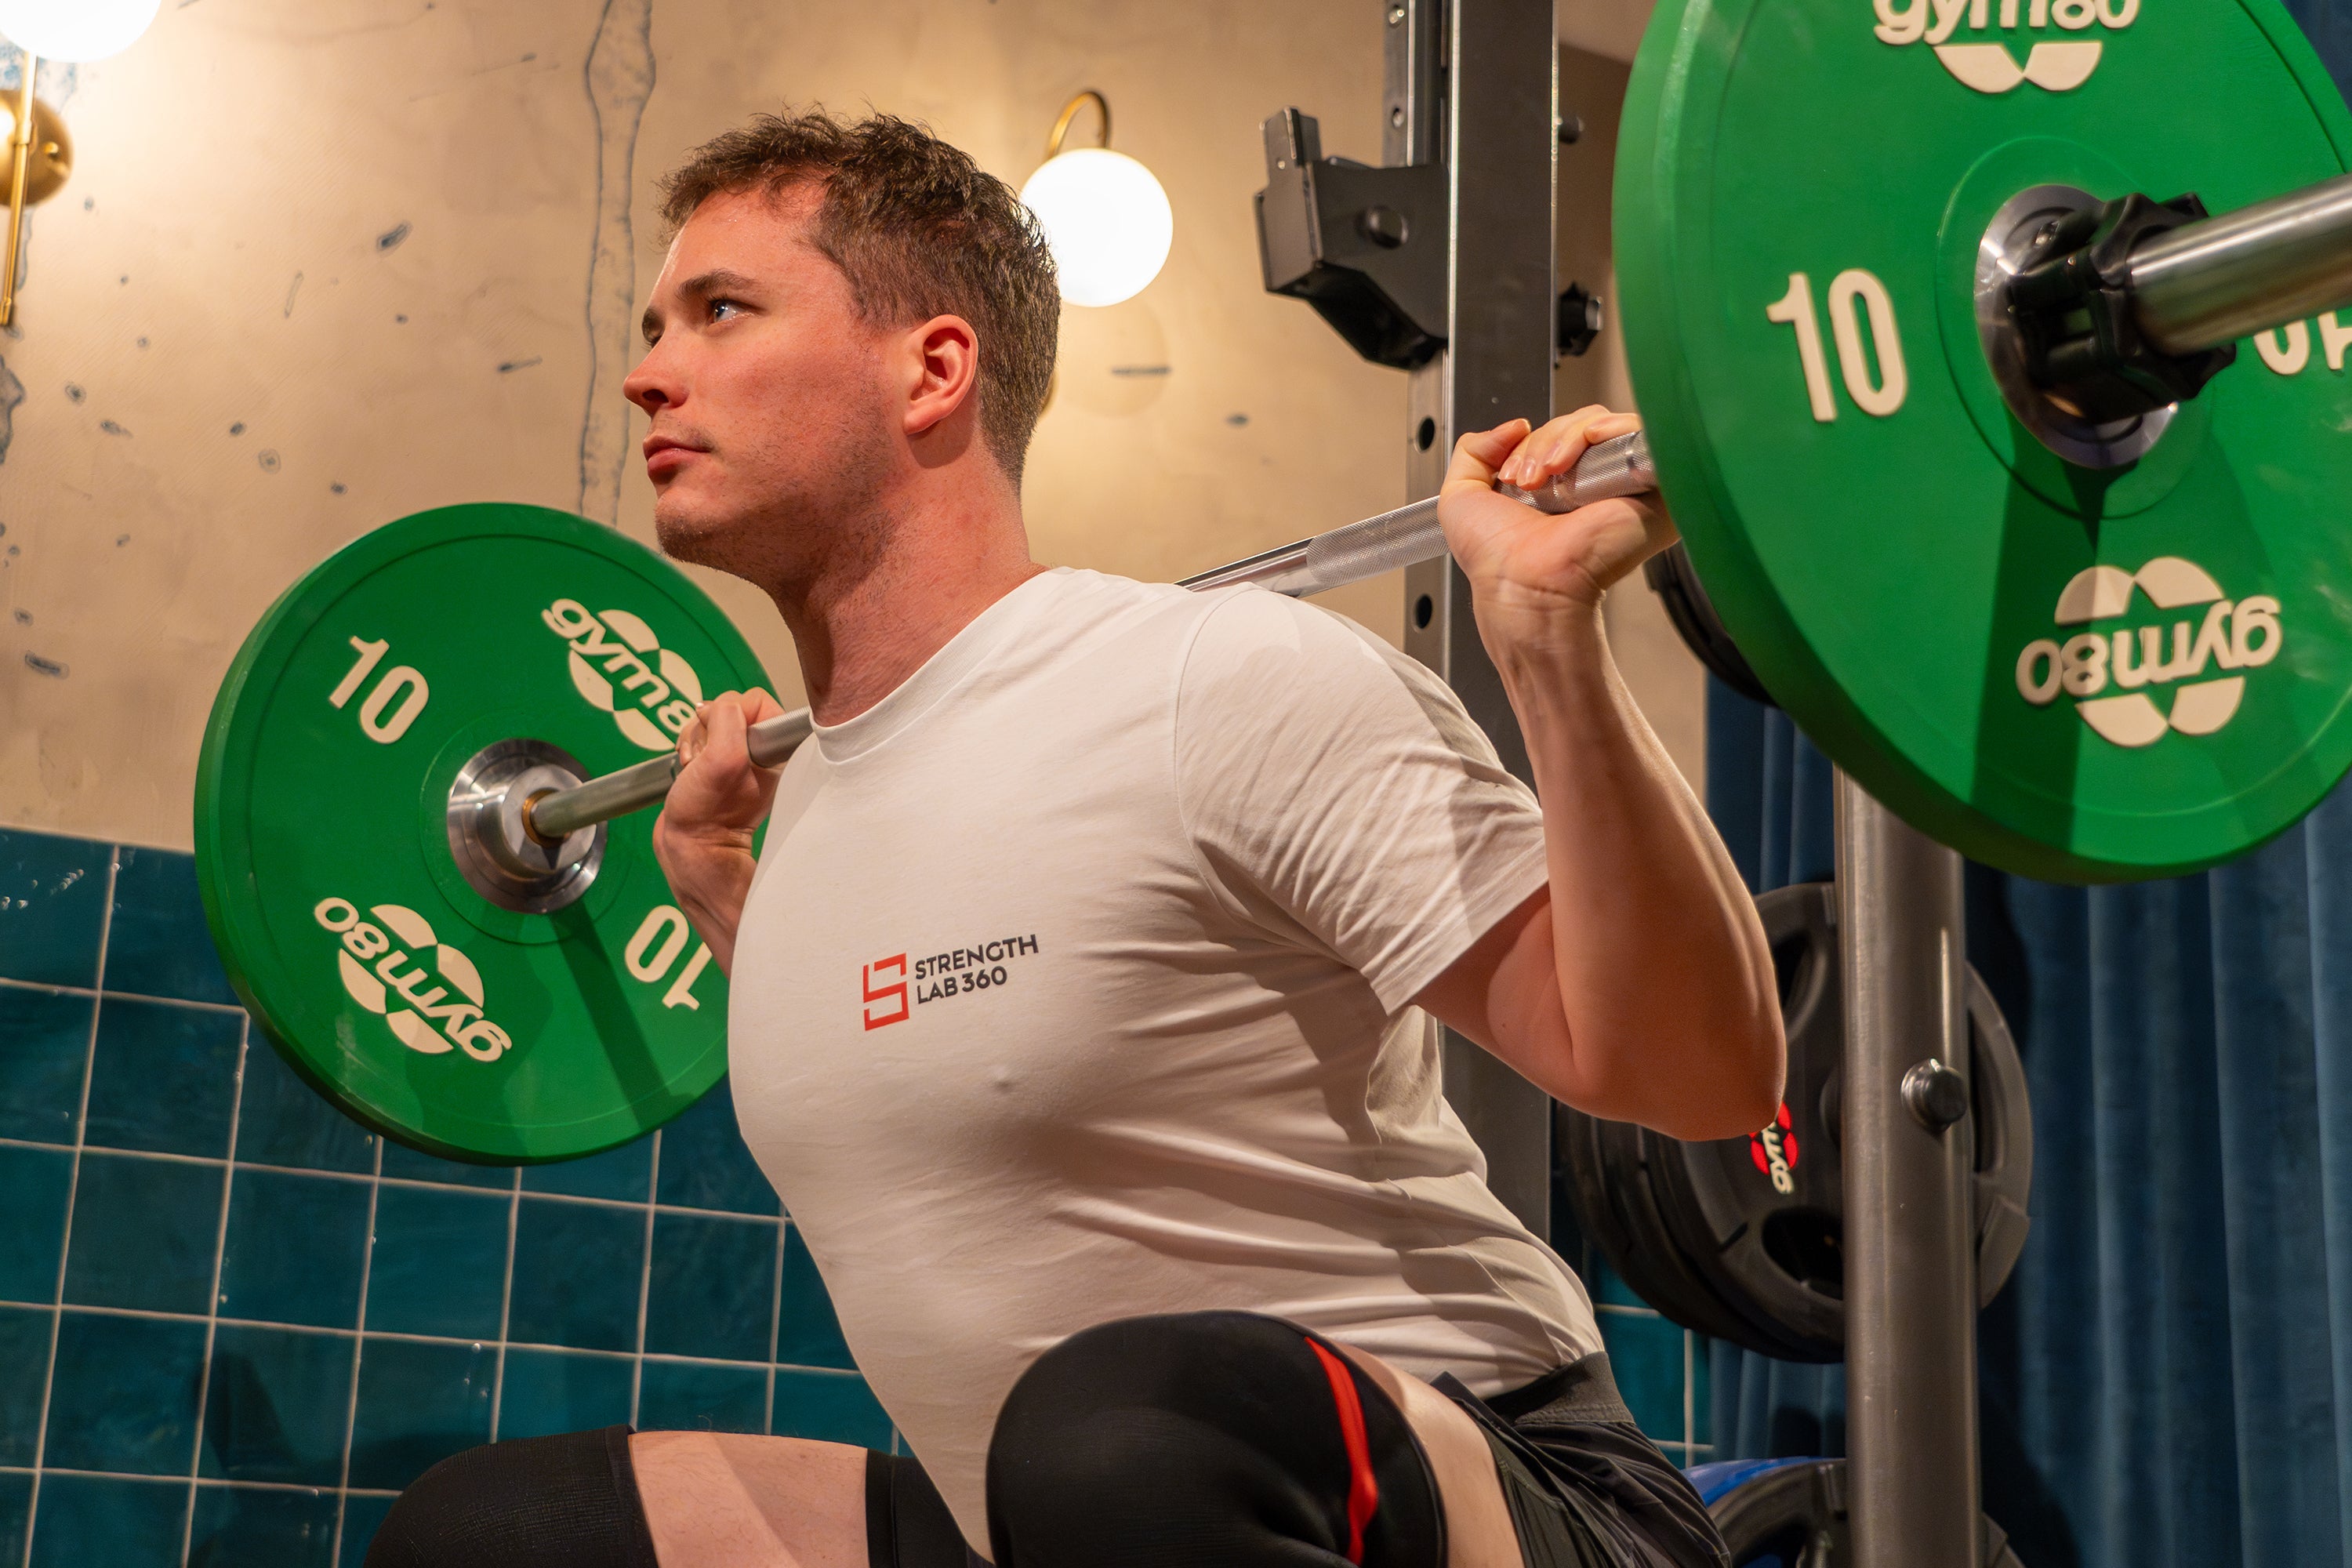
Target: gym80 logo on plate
{"type": "Point", "coordinates": [1982, 59]}
{"type": "Point", "coordinates": [2115, 677]}
{"type": "Point", "coordinates": [384, 965]}
{"type": "Point", "coordinates": [619, 666]}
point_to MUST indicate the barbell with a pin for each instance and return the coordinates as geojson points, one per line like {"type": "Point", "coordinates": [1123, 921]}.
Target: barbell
{"type": "Point", "coordinates": [1350, 553]}
{"type": "Point", "coordinates": [1986, 510]}
{"type": "Point", "coordinates": [484, 961]}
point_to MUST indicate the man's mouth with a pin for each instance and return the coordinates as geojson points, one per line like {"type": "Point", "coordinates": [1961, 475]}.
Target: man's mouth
{"type": "Point", "coordinates": [665, 457]}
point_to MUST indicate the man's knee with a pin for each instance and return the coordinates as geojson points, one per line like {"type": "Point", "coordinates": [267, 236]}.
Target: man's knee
{"type": "Point", "coordinates": [1199, 1437]}
{"type": "Point", "coordinates": [566, 1501]}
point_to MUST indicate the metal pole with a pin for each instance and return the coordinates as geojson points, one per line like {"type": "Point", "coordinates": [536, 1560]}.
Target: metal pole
{"type": "Point", "coordinates": [1910, 1258]}
{"type": "Point", "coordinates": [2205, 284]}
{"type": "Point", "coordinates": [1474, 85]}
{"type": "Point", "coordinates": [20, 154]}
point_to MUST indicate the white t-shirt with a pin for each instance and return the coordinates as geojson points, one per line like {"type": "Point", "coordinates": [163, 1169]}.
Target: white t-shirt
{"type": "Point", "coordinates": [1072, 986]}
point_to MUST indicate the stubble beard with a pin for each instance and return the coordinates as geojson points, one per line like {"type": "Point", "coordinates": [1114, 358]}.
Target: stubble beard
{"type": "Point", "coordinates": [816, 517]}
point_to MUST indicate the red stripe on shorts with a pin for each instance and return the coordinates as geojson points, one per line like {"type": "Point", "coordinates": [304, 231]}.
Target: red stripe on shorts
{"type": "Point", "coordinates": [1363, 1491]}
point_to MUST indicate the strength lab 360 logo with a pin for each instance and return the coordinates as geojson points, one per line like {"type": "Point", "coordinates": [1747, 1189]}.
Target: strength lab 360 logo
{"type": "Point", "coordinates": [2141, 661]}
{"type": "Point", "coordinates": [892, 991]}
{"type": "Point", "coordinates": [384, 961]}
{"type": "Point", "coordinates": [609, 659]}
{"type": "Point", "coordinates": [2054, 65]}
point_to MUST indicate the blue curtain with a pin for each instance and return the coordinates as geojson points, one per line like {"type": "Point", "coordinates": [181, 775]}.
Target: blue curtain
{"type": "Point", "coordinates": [2168, 1379]}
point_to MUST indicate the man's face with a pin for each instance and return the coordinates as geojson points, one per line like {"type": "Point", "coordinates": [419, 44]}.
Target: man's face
{"type": "Point", "coordinates": [770, 407]}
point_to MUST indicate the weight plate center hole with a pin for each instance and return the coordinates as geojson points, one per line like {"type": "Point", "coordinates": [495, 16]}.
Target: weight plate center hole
{"type": "Point", "coordinates": [491, 839]}
{"type": "Point", "coordinates": [2022, 220]}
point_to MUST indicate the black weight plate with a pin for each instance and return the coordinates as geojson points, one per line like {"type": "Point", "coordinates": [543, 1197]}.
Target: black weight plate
{"type": "Point", "coordinates": [1762, 1217]}
{"type": "Point", "coordinates": [1610, 1192]}
{"type": "Point", "coordinates": [1675, 579]}
{"type": "Point", "coordinates": [2003, 1183]}
{"type": "Point", "coordinates": [1773, 1255]}
{"type": "Point", "coordinates": [1667, 1277]}
{"type": "Point", "coordinates": [1796, 1514]}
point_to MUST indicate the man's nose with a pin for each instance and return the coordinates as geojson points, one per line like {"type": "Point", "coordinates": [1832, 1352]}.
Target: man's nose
{"type": "Point", "coordinates": [650, 388]}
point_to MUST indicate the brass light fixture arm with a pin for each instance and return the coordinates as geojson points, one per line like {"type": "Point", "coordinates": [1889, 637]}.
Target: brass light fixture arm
{"type": "Point", "coordinates": [1070, 113]}
{"type": "Point", "coordinates": [20, 154]}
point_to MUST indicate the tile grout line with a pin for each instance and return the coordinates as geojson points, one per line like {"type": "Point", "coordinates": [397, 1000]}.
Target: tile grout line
{"type": "Point", "coordinates": [359, 1354]}
{"type": "Point", "coordinates": [100, 992]}
{"type": "Point", "coordinates": [419, 1183]}
{"type": "Point", "coordinates": [213, 1296]}
{"type": "Point", "coordinates": [159, 1157]}
{"type": "Point", "coordinates": [775, 1325]}
{"type": "Point", "coordinates": [202, 1481]}
{"type": "Point", "coordinates": [73, 1194]}
{"type": "Point", "coordinates": [1690, 1377]}
{"type": "Point", "coordinates": [506, 1305]}
{"type": "Point", "coordinates": [314, 1330]}
{"type": "Point", "coordinates": [646, 1280]}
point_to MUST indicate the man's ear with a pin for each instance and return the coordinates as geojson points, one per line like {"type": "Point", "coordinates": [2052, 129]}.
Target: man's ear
{"type": "Point", "coordinates": [944, 372]}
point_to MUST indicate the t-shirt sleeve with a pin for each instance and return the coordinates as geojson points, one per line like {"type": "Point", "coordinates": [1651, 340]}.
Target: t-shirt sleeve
{"type": "Point", "coordinates": [1336, 792]}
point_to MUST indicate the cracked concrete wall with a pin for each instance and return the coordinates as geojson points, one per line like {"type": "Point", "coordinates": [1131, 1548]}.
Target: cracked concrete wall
{"type": "Point", "coordinates": [325, 263]}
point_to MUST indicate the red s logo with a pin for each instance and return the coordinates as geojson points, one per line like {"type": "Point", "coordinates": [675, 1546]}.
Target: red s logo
{"type": "Point", "coordinates": [887, 994]}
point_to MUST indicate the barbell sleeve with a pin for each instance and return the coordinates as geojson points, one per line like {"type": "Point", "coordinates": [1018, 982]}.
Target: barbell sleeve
{"type": "Point", "coordinates": [1618, 466]}
{"type": "Point", "coordinates": [2214, 282]}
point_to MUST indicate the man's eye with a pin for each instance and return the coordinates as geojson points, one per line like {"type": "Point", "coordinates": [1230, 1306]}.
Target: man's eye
{"type": "Point", "coordinates": [718, 305]}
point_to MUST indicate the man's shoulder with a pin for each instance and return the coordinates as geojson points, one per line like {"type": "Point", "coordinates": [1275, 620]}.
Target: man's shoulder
{"type": "Point", "coordinates": [1248, 631]}
{"type": "Point", "coordinates": [1077, 599]}
{"type": "Point", "coordinates": [1239, 643]}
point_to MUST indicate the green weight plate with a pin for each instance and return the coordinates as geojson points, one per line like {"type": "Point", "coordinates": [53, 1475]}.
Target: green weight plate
{"type": "Point", "coordinates": [1937, 596]}
{"type": "Point", "coordinates": [425, 1010]}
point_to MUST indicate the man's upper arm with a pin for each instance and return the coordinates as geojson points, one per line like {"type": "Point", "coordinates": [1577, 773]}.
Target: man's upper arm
{"type": "Point", "coordinates": [1332, 787]}
{"type": "Point", "coordinates": [1504, 993]}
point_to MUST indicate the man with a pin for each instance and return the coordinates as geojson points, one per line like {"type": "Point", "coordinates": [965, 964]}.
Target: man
{"type": "Point", "coordinates": [1081, 987]}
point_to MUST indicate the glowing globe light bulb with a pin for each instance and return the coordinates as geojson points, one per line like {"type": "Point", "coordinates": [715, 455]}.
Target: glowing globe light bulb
{"type": "Point", "coordinates": [75, 29]}
{"type": "Point", "coordinates": [1107, 221]}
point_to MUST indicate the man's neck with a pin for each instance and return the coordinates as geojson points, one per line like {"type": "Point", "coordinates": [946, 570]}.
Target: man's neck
{"type": "Point", "coordinates": [862, 630]}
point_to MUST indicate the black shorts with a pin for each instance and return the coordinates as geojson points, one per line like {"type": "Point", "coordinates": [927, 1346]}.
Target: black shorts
{"type": "Point", "coordinates": [1585, 1487]}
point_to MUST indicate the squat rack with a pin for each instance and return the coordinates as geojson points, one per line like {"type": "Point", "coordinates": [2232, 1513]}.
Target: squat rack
{"type": "Point", "coordinates": [1441, 262]}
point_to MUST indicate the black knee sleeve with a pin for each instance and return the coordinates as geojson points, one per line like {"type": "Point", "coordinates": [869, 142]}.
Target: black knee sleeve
{"type": "Point", "coordinates": [907, 1525]}
{"type": "Point", "coordinates": [1200, 1437]}
{"type": "Point", "coordinates": [568, 1501]}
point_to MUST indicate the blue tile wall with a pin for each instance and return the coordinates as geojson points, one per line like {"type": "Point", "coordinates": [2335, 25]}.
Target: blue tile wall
{"type": "Point", "coordinates": [235, 1323]}
{"type": "Point", "coordinates": [52, 909]}
{"type": "Point", "coordinates": [218, 1394]}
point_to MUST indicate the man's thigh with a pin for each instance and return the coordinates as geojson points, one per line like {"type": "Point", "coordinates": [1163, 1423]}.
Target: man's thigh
{"type": "Point", "coordinates": [1246, 1438]}
{"type": "Point", "coordinates": [716, 1499]}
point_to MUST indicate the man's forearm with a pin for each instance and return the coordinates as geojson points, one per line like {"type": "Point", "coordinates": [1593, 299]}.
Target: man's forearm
{"type": "Point", "coordinates": [1664, 981]}
{"type": "Point", "coordinates": [711, 880]}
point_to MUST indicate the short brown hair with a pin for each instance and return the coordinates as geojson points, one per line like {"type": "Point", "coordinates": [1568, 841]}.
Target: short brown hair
{"type": "Point", "coordinates": [919, 230]}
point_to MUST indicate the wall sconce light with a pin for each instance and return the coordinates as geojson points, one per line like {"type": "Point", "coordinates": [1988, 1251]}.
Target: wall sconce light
{"type": "Point", "coordinates": [1105, 219]}
{"type": "Point", "coordinates": [40, 154]}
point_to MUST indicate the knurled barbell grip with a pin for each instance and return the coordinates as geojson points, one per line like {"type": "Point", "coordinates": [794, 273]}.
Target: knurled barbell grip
{"type": "Point", "coordinates": [552, 816]}
{"type": "Point", "coordinates": [1618, 466]}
